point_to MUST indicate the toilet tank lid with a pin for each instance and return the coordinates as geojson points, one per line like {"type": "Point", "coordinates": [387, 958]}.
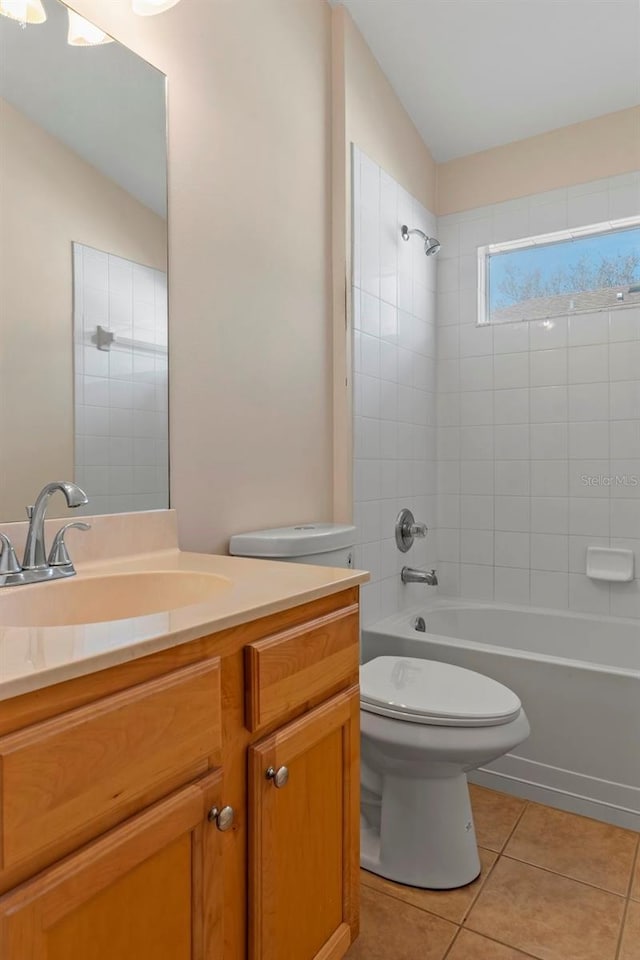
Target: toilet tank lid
{"type": "Point", "coordinates": [300, 540]}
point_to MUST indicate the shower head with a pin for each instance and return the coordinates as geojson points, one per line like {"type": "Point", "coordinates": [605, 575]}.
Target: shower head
{"type": "Point", "coordinates": [431, 245]}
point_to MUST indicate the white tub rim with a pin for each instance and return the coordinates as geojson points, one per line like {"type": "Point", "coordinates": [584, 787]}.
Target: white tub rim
{"type": "Point", "coordinates": [399, 624]}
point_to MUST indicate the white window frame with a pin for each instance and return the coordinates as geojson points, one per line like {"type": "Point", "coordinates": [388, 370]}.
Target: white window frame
{"type": "Point", "coordinates": [543, 239]}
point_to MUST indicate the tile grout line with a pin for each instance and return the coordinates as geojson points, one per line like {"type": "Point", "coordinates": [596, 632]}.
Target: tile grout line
{"type": "Point", "coordinates": [556, 873]}
{"type": "Point", "coordinates": [494, 864]}
{"type": "Point", "coordinates": [526, 806]}
{"type": "Point", "coordinates": [451, 945]}
{"type": "Point", "coordinates": [461, 924]}
{"type": "Point", "coordinates": [623, 923]}
{"type": "Point", "coordinates": [634, 865]}
{"type": "Point", "coordinates": [563, 876]}
{"type": "Point", "coordinates": [486, 936]}
{"type": "Point", "coordinates": [621, 931]}
{"type": "Point", "coordinates": [415, 906]}
{"type": "Point", "coordinates": [439, 916]}
{"type": "Point", "coordinates": [479, 891]}
{"type": "Point", "coordinates": [501, 855]}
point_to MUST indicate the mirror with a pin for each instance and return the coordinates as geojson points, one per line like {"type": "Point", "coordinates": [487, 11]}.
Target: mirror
{"type": "Point", "coordinates": [83, 270]}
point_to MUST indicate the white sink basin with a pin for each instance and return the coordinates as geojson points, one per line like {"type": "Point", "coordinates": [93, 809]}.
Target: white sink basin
{"type": "Point", "coordinates": [99, 599]}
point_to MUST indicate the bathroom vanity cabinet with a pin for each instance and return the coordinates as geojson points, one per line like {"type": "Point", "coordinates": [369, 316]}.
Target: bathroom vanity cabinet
{"type": "Point", "coordinates": [200, 803]}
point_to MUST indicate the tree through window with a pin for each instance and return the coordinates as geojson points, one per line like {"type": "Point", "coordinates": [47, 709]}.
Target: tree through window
{"type": "Point", "coordinates": [578, 271]}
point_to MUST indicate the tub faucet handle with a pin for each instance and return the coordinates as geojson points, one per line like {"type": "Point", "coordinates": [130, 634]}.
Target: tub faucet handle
{"type": "Point", "coordinates": [407, 529]}
{"type": "Point", "coordinates": [419, 529]}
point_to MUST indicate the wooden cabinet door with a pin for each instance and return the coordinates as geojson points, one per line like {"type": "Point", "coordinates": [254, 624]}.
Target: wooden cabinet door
{"type": "Point", "coordinates": [148, 890]}
{"type": "Point", "coordinates": [304, 835]}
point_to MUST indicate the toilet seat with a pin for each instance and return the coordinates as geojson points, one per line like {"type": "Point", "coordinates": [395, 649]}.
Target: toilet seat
{"type": "Point", "coordinates": [434, 693]}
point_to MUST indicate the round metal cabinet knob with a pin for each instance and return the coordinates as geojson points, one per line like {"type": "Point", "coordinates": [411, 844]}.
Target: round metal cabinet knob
{"type": "Point", "coordinates": [223, 819]}
{"type": "Point", "coordinates": [279, 777]}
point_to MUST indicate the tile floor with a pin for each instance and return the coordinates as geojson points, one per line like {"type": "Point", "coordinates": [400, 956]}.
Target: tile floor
{"type": "Point", "coordinates": [554, 886]}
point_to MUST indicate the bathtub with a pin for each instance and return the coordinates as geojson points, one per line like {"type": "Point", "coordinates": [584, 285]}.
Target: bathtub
{"type": "Point", "coordinates": [578, 678]}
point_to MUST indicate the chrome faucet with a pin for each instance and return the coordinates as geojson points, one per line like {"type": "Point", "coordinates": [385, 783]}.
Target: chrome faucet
{"type": "Point", "coordinates": [36, 567]}
{"type": "Point", "coordinates": [410, 575]}
{"type": "Point", "coordinates": [35, 554]}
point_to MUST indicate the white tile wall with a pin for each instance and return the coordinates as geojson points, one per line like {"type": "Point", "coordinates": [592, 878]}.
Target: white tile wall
{"type": "Point", "coordinates": [394, 304]}
{"type": "Point", "coordinates": [121, 395]}
{"type": "Point", "coordinates": [526, 411]}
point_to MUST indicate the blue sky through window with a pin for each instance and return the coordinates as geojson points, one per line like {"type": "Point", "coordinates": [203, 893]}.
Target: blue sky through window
{"type": "Point", "coordinates": [576, 265]}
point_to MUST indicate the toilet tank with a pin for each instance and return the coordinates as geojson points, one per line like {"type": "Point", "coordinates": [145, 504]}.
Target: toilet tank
{"type": "Point", "coordinates": [323, 544]}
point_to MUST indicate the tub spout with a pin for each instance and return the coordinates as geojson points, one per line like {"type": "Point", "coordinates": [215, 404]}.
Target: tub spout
{"type": "Point", "coordinates": [411, 575]}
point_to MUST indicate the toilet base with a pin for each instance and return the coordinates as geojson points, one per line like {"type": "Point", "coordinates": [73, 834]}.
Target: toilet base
{"type": "Point", "coordinates": [426, 837]}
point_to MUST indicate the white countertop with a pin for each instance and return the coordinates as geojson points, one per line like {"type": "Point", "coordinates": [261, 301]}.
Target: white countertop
{"type": "Point", "coordinates": [36, 657]}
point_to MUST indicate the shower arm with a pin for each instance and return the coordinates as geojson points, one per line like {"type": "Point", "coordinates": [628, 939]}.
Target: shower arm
{"type": "Point", "coordinates": [431, 245]}
{"type": "Point", "coordinates": [406, 233]}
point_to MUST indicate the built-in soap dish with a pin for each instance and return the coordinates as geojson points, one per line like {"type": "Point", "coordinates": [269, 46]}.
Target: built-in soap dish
{"type": "Point", "coordinates": [605, 563]}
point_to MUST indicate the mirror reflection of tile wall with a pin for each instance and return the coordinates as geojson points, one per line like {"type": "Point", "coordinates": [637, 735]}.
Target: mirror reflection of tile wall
{"type": "Point", "coordinates": [84, 150]}
{"type": "Point", "coordinates": [121, 384]}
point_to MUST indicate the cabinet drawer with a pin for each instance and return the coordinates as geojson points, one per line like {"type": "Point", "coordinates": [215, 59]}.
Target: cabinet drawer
{"type": "Point", "coordinates": [64, 781]}
{"type": "Point", "coordinates": [286, 671]}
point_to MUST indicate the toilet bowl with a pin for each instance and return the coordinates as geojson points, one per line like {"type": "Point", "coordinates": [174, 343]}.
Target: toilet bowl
{"type": "Point", "coordinates": [424, 724]}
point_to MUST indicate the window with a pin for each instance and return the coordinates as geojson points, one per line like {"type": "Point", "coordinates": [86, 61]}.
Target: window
{"type": "Point", "coordinates": [572, 271]}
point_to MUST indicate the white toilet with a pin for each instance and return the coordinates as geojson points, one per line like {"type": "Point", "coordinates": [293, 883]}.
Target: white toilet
{"type": "Point", "coordinates": [424, 725]}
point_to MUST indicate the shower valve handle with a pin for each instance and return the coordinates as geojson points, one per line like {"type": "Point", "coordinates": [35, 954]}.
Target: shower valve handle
{"type": "Point", "coordinates": [407, 530]}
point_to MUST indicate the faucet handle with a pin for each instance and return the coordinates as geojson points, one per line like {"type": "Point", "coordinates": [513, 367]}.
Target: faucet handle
{"type": "Point", "coordinates": [29, 511]}
{"type": "Point", "coordinates": [407, 529]}
{"type": "Point", "coordinates": [59, 555]}
{"type": "Point", "coordinates": [8, 561]}
{"type": "Point", "coordinates": [418, 530]}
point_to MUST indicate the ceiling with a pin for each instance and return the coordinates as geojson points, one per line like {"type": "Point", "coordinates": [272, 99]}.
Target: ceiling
{"type": "Point", "coordinates": [105, 102]}
{"type": "Point", "coordinates": [475, 74]}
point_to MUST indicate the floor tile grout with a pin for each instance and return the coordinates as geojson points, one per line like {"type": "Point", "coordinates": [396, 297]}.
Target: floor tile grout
{"type": "Point", "coordinates": [461, 924]}
{"type": "Point", "coordinates": [579, 816]}
{"type": "Point", "coordinates": [634, 865]}
{"type": "Point", "coordinates": [502, 943]}
{"type": "Point", "coordinates": [394, 896]}
{"type": "Point", "coordinates": [621, 931]}
{"type": "Point", "coordinates": [493, 865]}
{"type": "Point", "coordinates": [450, 947]}
{"type": "Point", "coordinates": [636, 859]}
{"type": "Point", "coordinates": [414, 906]}
{"type": "Point", "coordinates": [563, 876]}
{"type": "Point", "coordinates": [515, 826]}
{"type": "Point", "coordinates": [480, 889]}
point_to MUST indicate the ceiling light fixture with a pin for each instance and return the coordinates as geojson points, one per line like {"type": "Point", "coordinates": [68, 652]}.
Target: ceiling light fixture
{"type": "Point", "coordinates": [24, 11]}
{"type": "Point", "coordinates": [147, 8]}
{"type": "Point", "coordinates": [82, 33]}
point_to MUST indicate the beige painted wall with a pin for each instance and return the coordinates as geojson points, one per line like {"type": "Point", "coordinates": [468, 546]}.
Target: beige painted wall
{"type": "Point", "coordinates": [249, 222]}
{"type": "Point", "coordinates": [259, 247]}
{"type": "Point", "coordinates": [257, 278]}
{"type": "Point", "coordinates": [580, 153]}
{"type": "Point", "coordinates": [378, 123]}
{"type": "Point", "coordinates": [49, 198]}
